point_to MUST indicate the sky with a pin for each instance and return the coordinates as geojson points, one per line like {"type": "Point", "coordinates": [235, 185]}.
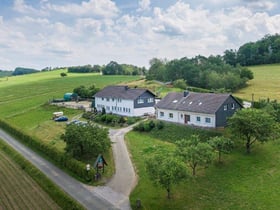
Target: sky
{"type": "Point", "coordinates": [57, 33]}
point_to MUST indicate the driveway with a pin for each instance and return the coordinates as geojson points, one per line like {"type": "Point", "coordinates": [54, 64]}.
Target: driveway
{"type": "Point", "coordinates": [112, 196]}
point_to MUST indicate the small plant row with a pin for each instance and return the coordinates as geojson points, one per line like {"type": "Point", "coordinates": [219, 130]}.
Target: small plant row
{"type": "Point", "coordinates": [58, 195]}
{"type": "Point", "coordinates": [61, 159]}
{"type": "Point", "coordinates": [110, 119]}
{"type": "Point", "coordinates": [149, 125]}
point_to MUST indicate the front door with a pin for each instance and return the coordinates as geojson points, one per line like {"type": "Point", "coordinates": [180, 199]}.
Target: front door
{"type": "Point", "coordinates": [187, 118]}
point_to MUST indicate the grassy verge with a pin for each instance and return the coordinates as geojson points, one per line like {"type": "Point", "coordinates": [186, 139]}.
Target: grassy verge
{"type": "Point", "coordinates": [59, 196]}
{"type": "Point", "coordinates": [241, 182]}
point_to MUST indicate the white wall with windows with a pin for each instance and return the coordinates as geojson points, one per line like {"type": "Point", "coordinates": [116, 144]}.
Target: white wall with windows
{"type": "Point", "coordinates": [121, 107]}
{"type": "Point", "coordinates": [115, 106]}
{"type": "Point", "coordinates": [190, 118]}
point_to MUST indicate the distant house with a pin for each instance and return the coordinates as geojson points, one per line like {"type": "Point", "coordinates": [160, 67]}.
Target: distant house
{"type": "Point", "coordinates": [125, 101]}
{"type": "Point", "coordinates": [198, 109]}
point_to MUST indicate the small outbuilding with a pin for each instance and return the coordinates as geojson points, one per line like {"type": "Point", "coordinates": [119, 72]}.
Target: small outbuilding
{"type": "Point", "coordinates": [70, 96]}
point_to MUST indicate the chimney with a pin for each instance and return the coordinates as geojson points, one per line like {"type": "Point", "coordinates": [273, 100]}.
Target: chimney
{"type": "Point", "coordinates": [186, 93]}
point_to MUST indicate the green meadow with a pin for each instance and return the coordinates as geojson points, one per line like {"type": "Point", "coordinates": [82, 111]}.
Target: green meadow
{"type": "Point", "coordinates": [241, 182]}
{"type": "Point", "coordinates": [266, 84]}
{"type": "Point", "coordinates": [24, 100]}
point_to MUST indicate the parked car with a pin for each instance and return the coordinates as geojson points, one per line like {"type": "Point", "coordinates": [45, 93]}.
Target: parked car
{"type": "Point", "coordinates": [61, 119]}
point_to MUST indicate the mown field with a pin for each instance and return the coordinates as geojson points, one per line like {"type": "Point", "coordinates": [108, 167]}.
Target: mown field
{"type": "Point", "coordinates": [264, 85]}
{"type": "Point", "coordinates": [18, 190]}
{"type": "Point", "coordinates": [23, 100]}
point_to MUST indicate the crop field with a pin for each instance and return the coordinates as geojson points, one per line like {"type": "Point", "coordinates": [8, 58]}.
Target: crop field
{"type": "Point", "coordinates": [266, 84]}
{"type": "Point", "coordinates": [18, 190]}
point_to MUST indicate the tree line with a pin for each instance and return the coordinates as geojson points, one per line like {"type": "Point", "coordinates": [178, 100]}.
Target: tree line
{"type": "Point", "coordinates": [21, 71]}
{"type": "Point", "coordinates": [204, 72]}
{"type": "Point", "coordinates": [264, 51]}
{"type": "Point", "coordinates": [112, 68]}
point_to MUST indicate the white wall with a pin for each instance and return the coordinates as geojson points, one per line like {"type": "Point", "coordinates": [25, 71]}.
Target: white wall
{"type": "Point", "coordinates": [144, 110]}
{"type": "Point", "coordinates": [179, 117]}
{"type": "Point", "coordinates": [123, 107]}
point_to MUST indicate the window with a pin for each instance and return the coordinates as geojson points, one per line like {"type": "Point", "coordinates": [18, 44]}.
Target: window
{"type": "Point", "coordinates": [107, 99]}
{"type": "Point", "coordinates": [225, 107]}
{"type": "Point", "coordinates": [123, 109]}
{"type": "Point", "coordinates": [140, 100]}
{"type": "Point", "coordinates": [161, 114]}
{"type": "Point", "coordinates": [108, 108]}
{"type": "Point", "coordinates": [102, 99]}
{"type": "Point", "coordinates": [119, 100]}
{"type": "Point", "coordinates": [232, 106]}
{"type": "Point", "coordinates": [208, 120]}
{"type": "Point", "coordinates": [113, 99]}
{"type": "Point", "coordinates": [198, 119]}
{"type": "Point", "coordinates": [170, 115]}
{"type": "Point", "coordinates": [150, 100]}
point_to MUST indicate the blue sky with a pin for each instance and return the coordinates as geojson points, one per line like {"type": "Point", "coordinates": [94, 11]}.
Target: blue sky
{"type": "Point", "coordinates": [54, 33]}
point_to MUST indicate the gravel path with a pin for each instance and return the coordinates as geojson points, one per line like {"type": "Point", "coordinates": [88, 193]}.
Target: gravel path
{"type": "Point", "coordinates": [112, 196]}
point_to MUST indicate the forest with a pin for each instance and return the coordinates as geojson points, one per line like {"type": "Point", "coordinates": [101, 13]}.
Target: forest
{"type": "Point", "coordinates": [209, 73]}
{"type": "Point", "coordinates": [264, 51]}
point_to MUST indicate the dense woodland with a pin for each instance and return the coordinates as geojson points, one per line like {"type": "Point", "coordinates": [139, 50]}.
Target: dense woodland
{"type": "Point", "coordinates": [264, 51]}
{"type": "Point", "coordinates": [209, 73]}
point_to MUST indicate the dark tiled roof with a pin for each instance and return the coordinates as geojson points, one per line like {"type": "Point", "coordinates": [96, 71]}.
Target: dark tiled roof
{"type": "Point", "coordinates": [122, 92]}
{"type": "Point", "coordinates": [207, 103]}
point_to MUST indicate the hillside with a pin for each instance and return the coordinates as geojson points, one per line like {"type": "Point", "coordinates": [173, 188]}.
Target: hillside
{"type": "Point", "coordinates": [264, 85]}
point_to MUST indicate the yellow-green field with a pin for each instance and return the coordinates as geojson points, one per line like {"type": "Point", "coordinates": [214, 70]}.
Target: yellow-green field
{"type": "Point", "coordinates": [266, 84]}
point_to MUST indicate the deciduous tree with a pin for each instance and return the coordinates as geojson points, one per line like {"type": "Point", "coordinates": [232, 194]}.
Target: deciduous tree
{"type": "Point", "coordinates": [85, 140]}
{"type": "Point", "coordinates": [166, 171]}
{"type": "Point", "coordinates": [221, 145]}
{"type": "Point", "coordinates": [195, 152]}
{"type": "Point", "coordinates": [252, 125]}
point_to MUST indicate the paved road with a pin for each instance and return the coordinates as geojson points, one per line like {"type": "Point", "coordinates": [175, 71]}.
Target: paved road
{"type": "Point", "coordinates": [110, 197]}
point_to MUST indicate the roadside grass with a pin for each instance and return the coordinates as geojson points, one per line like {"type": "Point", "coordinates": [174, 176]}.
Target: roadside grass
{"type": "Point", "coordinates": [22, 186]}
{"type": "Point", "coordinates": [241, 182]}
{"type": "Point", "coordinates": [264, 85]}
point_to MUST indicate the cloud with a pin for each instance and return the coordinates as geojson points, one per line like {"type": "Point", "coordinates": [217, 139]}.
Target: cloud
{"type": "Point", "coordinates": [98, 31]}
{"type": "Point", "coordinates": [21, 7]}
{"type": "Point", "coordinates": [260, 5]}
{"type": "Point", "coordinates": [95, 8]}
{"type": "Point", "coordinates": [144, 5]}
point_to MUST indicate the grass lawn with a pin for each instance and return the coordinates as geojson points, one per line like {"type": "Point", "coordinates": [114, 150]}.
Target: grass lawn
{"type": "Point", "coordinates": [264, 85]}
{"type": "Point", "coordinates": [241, 182]}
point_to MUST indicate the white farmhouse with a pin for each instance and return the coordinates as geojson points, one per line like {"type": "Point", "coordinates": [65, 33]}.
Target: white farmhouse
{"type": "Point", "coordinates": [198, 109]}
{"type": "Point", "coordinates": [125, 101]}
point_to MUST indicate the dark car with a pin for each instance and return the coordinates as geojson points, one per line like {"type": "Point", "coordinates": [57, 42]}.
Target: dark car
{"type": "Point", "coordinates": [61, 119]}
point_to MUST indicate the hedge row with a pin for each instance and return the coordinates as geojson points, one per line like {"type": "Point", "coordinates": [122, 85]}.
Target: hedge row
{"type": "Point", "coordinates": [58, 195]}
{"type": "Point", "coordinates": [61, 159]}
